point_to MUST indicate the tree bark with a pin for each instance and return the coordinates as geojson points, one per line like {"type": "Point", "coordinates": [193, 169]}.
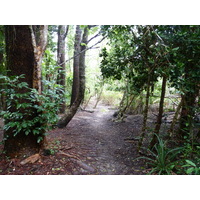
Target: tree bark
{"type": "Point", "coordinates": [39, 42]}
{"type": "Point", "coordinates": [188, 103]}
{"type": "Point", "coordinates": [146, 109]}
{"type": "Point", "coordinates": [76, 79]}
{"type": "Point", "coordinates": [24, 49]}
{"type": "Point", "coordinates": [62, 34]}
{"type": "Point", "coordinates": [160, 113]}
{"type": "Point", "coordinates": [82, 64]}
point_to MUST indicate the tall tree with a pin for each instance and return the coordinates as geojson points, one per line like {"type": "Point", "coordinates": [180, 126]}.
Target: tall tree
{"type": "Point", "coordinates": [139, 54]}
{"type": "Point", "coordinates": [146, 110]}
{"type": "Point", "coordinates": [160, 113]}
{"type": "Point", "coordinates": [80, 76]}
{"type": "Point", "coordinates": [62, 34]}
{"type": "Point", "coordinates": [25, 46]}
{"type": "Point", "coordinates": [75, 86]}
{"type": "Point", "coordinates": [185, 71]}
{"type": "Point", "coordinates": [82, 63]}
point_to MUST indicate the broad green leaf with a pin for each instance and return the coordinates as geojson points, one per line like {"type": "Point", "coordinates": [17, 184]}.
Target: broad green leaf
{"type": "Point", "coordinates": [191, 163]}
{"type": "Point", "coordinates": [190, 170]}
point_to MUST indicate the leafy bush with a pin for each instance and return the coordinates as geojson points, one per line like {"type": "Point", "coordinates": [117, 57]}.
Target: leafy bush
{"type": "Point", "coordinates": [111, 97]}
{"type": "Point", "coordinates": [41, 108]}
{"type": "Point", "coordinates": [191, 159]}
{"type": "Point", "coordinates": [191, 168]}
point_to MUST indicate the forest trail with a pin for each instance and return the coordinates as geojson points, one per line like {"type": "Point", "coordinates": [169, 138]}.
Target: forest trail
{"type": "Point", "coordinates": [92, 143]}
{"type": "Point", "coordinates": [100, 143]}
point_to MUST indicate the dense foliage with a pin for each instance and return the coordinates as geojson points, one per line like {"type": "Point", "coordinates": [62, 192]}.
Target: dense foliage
{"type": "Point", "coordinates": [139, 69]}
{"type": "Point", "coordinates": [141, 56]}
{"type": "Point", "coordinates": [46, 105]}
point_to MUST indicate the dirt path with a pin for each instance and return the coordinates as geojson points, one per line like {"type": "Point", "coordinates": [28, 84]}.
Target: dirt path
{"type": "Point", "coordinates": [101, 144]}
{"type": "Point", "coordinates": [91, 144]}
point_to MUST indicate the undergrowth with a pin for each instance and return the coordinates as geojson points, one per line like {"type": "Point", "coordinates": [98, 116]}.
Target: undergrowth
{"type": "Point", "coordinates": [181, 160]}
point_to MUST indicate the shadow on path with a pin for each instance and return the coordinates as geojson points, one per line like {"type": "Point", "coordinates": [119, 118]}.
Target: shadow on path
{"type": "Point", "coordinates": [91, 144]}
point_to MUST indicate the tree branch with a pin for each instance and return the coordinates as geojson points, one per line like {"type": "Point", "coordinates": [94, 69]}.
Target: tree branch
{"type": "Point", "coordinates": [93, 37]}
{"type": "Point", "coordinates": [84, 50]}
{"type": "Point", "coordinates": [66, 32]}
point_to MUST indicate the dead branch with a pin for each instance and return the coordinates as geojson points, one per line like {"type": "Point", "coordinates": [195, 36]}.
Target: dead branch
{"type": "Point", "coordinates": [31, 159]}
{"type": "Point", "coordinates": [69, 155]}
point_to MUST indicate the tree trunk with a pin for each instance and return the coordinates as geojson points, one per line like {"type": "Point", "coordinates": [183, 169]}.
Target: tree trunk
{"type": "Point", "coordinates": [62, 33]}
{"type": "Point", "coordinates": [24, 49]}
{"type": "Point", "coordinates": [81, 84]}
{"type": "Point", "coordinates": [39, 42]}
{"type": "Point", "coordinates": [75, 86]}
{"type": "Point", "coordinates": [187, 114]}
{"type": "Point", "coordinates": [125, 103]}
{"type": "Point", "coordinates": [171, 129]}
{"type": "Point", "coordinates": [82, 64]}
{"type": "Point", "coordinates": [99, 96]}
{"type": "Point", "coordinates": [1, 57]}
{"type": "Point", "coordinates": [188, 104]}
{"type": "Point", "coordinates": [86, 104]}
{"type": "Point", "coordinates": [146, 109]}
{"type": "Point", "coordinates": [160, 113]}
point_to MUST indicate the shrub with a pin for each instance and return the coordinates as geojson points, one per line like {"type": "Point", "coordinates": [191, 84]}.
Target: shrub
{"type": "Point", "coordinates": [111, 98]}
{"type": "Point", "coordinates": [46, 105]}
{"type": "Point", "coordinates": [191, 168]}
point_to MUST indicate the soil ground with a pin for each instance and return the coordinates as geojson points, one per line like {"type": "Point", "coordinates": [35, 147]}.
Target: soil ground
{"type": "Point", "coordinates": [92, 143]}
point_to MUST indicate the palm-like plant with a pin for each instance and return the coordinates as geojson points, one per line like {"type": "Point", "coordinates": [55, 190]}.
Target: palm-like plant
{"type": "Point", "coordinates": [162, 159]}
